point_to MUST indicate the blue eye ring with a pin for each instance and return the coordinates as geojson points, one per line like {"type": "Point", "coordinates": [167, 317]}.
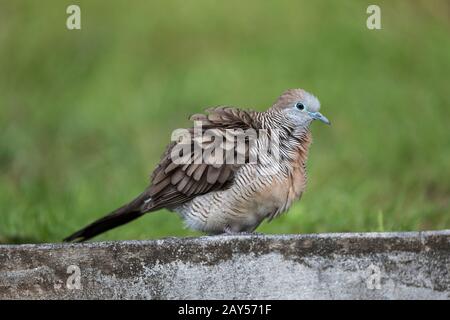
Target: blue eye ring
{"type": "Point", "coordinates": [300, 106]}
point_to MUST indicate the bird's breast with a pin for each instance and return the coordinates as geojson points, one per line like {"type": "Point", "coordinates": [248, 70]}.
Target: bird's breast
{"type": "Point", "coordinates": [255, 194]}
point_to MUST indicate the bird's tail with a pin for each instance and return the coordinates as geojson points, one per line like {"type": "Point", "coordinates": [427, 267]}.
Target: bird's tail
{"type": "Point", "coordinates": [116, 218]}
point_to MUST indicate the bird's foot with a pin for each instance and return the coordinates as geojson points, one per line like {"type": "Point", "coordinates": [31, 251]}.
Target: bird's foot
{"type": "Point", "coordinates": [228, 232]}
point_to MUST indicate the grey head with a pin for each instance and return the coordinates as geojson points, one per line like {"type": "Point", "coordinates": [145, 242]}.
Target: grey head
{"type": "Point", "coordinates": [299, 107]}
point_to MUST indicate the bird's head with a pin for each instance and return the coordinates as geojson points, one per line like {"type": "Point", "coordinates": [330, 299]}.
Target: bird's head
{"type": "Point", "coordinates": [300, 107]}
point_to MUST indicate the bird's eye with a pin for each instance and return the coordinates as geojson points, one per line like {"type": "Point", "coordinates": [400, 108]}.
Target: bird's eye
{"type": "Point", "coordinates": [299, 106]}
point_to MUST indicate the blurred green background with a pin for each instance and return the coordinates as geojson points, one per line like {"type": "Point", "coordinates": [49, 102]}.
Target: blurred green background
{"type": "Point", "coordinates": [85, 115]}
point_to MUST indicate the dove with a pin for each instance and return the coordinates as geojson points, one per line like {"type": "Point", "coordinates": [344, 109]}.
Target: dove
{"type": "Point", "coordinates": [230, 171]}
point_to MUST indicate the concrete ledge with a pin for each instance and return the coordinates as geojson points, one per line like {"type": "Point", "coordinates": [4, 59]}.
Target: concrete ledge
{"type": "Point", "coordinates": [325, 266]}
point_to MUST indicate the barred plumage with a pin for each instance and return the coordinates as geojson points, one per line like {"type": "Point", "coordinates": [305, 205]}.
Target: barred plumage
{"type": "Point", "coordinates": [216, 195]}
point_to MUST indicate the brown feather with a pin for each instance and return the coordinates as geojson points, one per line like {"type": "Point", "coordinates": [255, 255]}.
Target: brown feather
{"type": "Point", "coordinates": [177, 176]}
{"type": "Point", "coordinates": [199, 172]}
{"type": "Point", "coordinates": [173, 184]}
{"type": "Point", "coordinates": [156, 188]}
{"type": "Point", "coordinates": [213, 174]}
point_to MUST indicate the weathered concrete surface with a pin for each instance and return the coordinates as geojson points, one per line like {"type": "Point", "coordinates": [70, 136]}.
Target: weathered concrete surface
{"type": "Point", "coordinates": [324, 266]}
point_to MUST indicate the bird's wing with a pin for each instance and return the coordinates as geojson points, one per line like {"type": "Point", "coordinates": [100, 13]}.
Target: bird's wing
{"type": "Point", "coordinates": [173, 183]}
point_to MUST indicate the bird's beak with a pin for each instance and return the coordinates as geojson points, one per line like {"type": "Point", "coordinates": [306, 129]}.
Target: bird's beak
{"type": "Point", "coordinates": [321, 117]}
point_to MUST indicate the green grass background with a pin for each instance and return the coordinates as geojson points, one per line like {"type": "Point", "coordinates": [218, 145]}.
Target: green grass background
{"type": "Point", "coordinates": [85, 115]}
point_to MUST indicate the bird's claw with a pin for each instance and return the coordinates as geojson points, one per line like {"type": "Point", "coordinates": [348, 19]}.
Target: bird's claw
{"type": "Point", "coordinates": [228, 232]}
